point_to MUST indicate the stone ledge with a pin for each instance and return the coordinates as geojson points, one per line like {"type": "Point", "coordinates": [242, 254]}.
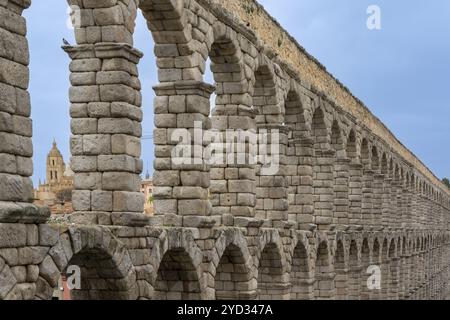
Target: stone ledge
{"type": "Point", "coordinates": [18, 212]}
{"type": "Point", "coordinates": [185, 87]}
{"type": "Point", "coordinates": [129, 219]}
{"type": "Point", "coordinates": [104, 50]}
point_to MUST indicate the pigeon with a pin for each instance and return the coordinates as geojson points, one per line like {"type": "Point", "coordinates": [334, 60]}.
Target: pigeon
{"type": "Point", "coordinates": [66, 43]}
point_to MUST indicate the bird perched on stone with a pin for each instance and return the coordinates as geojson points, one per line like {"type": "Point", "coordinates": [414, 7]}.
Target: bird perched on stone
{"type": "Point", "coordinates": [66, 43]}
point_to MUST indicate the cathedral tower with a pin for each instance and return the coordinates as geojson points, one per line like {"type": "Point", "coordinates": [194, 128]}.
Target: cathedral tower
{"type": "Point", "coordinates": [55, 165]}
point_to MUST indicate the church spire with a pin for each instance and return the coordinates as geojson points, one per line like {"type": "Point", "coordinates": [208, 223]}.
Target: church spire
{"type": "Point", "coordinates": [147, 175]}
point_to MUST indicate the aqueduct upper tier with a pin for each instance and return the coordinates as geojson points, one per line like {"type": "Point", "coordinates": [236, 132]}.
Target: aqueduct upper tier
{"type": "Point", "coordinates": [345, 193]}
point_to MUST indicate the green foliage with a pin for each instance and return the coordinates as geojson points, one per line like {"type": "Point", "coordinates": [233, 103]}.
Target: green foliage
{"type": "Point", "coordinates": [446, 181]}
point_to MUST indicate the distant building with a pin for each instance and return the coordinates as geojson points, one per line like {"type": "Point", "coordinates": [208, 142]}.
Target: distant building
{"type": "Point", "coordinates": [147, 190]}
{"type": "Point", "coordinates": [56, 191]}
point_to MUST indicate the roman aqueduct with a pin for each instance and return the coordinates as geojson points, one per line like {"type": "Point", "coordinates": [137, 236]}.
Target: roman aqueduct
{"type": "Point", "coordinates": [347, 195]}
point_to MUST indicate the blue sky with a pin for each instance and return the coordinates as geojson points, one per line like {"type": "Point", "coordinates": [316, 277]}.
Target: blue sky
{"type": "Point", "coordinates": [402, 72]}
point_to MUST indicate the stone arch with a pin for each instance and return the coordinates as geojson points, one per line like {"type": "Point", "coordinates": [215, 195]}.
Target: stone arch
{"type": "Point", "coordinates": [394, 270]}
{"type": "Point", "coordinates": [302, 278]}
{"type": "Point", "coordinates": [324, 286]}
{"type": "Point", "coordinates": [337, 140]}
{"type": "Point", "coordinates": [273, 282]}
{"type": "Point", "coordinates": [365, 153]}
{"type": "Point", "coordinates": [352, 151]}
{"type": "Point", "coordinates": [295, 115]}
{"type": "Point", "coordinates": [323, 169]}
{"type": "Point", "coordinates": [177, 277]}
{"type": "Point", "coordinates": [265, 97]}
{"type": "Point", "coordinates": [227, 66]}
{"type": "Point", "coordinates": [376, 260]}
{"type": "Point", "coordinates": [107, 272]}
{"type": "Point", "coordinates": [384, 165]}
{"type": "Point", "coordinates": [178, 272]}
{"type": "Point", "coordinates": [375, 158]}
{"type": "Point", "coordinates": [385, 270]}
{"type": "Point", "coordinates": [376, 252]}
{"type": "Point", "coordinates": [341, 268]}
{"type": "Point", "coordinates": [298, 133]}
{"type": "Point", "coordinates": [233, 110]}
{"type": "Point", "coordinates": [386, 207]}
{"type": "Point", "coordinates": [232, 272]}
{"type": "Point", "coordinates": [319, 130]}
{"type": "Point", "coordinates": [177, 39]}
{"type": "Point", "coordinates": [272, 134]}
{"type": "Point", "coordinates": [365, 263]}
{"type": "Point", "coordinates": [355, 271]}
{"type": "Point", "coordinates": [367, 211]}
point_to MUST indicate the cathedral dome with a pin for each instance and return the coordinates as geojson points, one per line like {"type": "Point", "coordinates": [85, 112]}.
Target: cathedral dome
{"type": "Point", "coordinates": [54, 152]}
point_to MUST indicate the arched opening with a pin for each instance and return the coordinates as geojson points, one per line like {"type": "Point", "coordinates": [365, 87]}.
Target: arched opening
{"type": "Point", "coordinates": [385, 271]}
{"type": "Point", "coordinates": [341, 177]}
{"type": "Point", "coordinates": [341, 268]}
{"type": "Point", "coordinates": [323, 180]}
{"type": "Point", "coordinates": [324, 286]}
{"type": "Point", "coordinates": [377, 187]}
{"type": "Point", "coordinates": [89, 261]}
{"type": "Point", "coordinates": [101, 277]}
{"type": "Point", "coordinates": [94, 275]}
{"type": "Point", "coordinates": [265, 98]}
{"type": "Point", "coordinates": [337, 141]}
{"type": "Point", "coordinates": [355, 173]}
{"type": "Point", "coordinates": [177, 277]}
{"type": "Point", "coordinates": [365, 263]}
{"type": "Point", "coordinates": [272, 284]}
{"type": "Point", "coordinates": [233, 280]}
{"type": "Point", "coordinates": [386, 192]}
{"type": "Point", "coordinates": [301, 275]}
{"type": "Point", "coordinates": [351, 146]}
{"type": "Point", "coordinates": [367, 184]}
{"type": "Point", "coordinates": [208, 77]}
{"type": "Point", "coordinates": [354, 281]}
{"type": "Point", "coordinates": [365, 154]}
{"type": "Point", "coordinates": [396, 195]}
{"type": "Point", "coordinates": [232, 110]}
{"type": "Point", "coordinates": [375, 159]}
{"type": "Point", "coordinates": [295, 116]}
{"type": "Point", "coordinates": [416, 269]}
{"type": "Point", "coordinates": [298, 168]}
{"type": "Point", "coordinates": [272, 139]}
{"type": "Point", "coordinates": [320, 132]}
{"type": "Point", "coordinates": [394, 271]}
{"type": "Point", "coordinates": [226, 72]}
{"type": "Point", "coordinates": [384, 164]}
{"type": "Point", "coordinates": [375, 292]}
{"type": "Point", "coordinates": [403, 269]}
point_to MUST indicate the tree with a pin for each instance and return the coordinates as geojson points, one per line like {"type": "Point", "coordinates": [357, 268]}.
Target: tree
{"type": "Point", "coordinates": [446, 181]}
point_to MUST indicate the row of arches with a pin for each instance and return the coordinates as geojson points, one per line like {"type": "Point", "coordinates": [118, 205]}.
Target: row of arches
{"type": "Point", "coordinates": [312, 267]}
{"type": "Point", "coordinates": [333, 169]}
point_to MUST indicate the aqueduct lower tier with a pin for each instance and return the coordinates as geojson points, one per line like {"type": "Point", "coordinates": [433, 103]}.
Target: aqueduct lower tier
{"type": "Point", "coordinates": [346, 195]}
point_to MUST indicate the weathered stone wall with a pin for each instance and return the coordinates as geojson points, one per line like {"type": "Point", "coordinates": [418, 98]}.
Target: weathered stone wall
{"type": "Point", "coordinates": [343, 198]}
